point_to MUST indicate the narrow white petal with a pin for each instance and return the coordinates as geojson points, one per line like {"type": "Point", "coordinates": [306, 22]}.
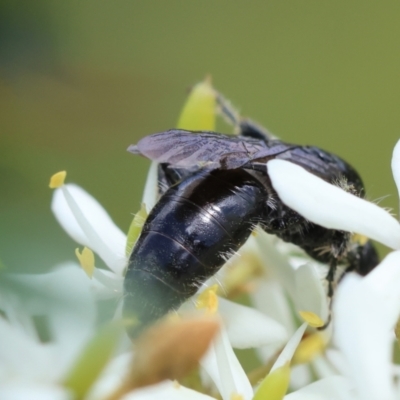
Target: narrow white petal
{"type": "Point", "coordinates": [310, 293]}
{"type": "Point", "coordinates": [109, 280]}
{"type": "Point", "coordinates": [275, 261]}
{"type": "Point", "coordinates": [329, 206]}
{"type": "Point", "coordinates": [396, 166]}
{"type": "Point", "coordinates": [111, 378]}
{"type": "Point", "coordinates": [223, 367]}
{"type": "Point", "coordinates": [290, 348]}
{"type": "Point", "coordinates": [247, 327]}
{"type": "Point", "coordinates": [86, 221]}
{"type": "Point", "coordinates": [150, 193]}
{"type": "Point", "coordinates": [271, 300]}
{"type": "Point", "coordinates": [366, 311]}
{"type": "Point", "coordinates": [332, 388]}
{"type": "Point", "coordinates": [166, 391]}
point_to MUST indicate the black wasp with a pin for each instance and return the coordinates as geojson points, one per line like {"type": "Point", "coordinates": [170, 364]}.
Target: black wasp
{"type": "Point", "coordinates": [214, 190]}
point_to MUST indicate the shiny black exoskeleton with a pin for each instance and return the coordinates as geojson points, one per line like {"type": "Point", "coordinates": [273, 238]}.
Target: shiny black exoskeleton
{"type": "Point", "coordinates": [215, 189]}
{"type": "Point", "coordinates": [187, 238]}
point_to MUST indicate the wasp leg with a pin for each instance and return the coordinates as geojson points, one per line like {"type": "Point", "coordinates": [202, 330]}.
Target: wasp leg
{"type": "Point", "coordinates": [243, 126]}
{"type": "Point", "coordinates": [167, 176]}
{"type": "Point", "coordinates": [330, 277]}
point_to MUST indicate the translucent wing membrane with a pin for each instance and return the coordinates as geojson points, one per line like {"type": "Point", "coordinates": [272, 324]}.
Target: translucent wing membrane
{"type": "Point", "coordinates": [185, 149]}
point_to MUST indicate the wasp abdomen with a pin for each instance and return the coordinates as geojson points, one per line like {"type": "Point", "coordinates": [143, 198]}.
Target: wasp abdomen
{"type": "Point", "coordinates": [189, 234]}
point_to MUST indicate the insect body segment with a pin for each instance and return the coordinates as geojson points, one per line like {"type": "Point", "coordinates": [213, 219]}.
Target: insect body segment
{"type": "Point", "coordinates": [215, 188]}
{"type": "Point", "coordinates": [186, 238]}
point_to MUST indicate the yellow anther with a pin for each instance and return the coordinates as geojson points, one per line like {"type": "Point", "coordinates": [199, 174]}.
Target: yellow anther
{"type": "Point", "coordinates": [360, 239]}
{"type": "Point", "coordinates": [312, 319]}
{"type": "Point", "coordinates": [309, 348]}
{"type": "Point", "coordinates": [208, 299]}
{"type": "Point", "coordinates": [86, 259]}
{"type": "Point", "coordinates": [236, 396]}
{"type": "Point", "coordinates": [57, 180]}
{"type": "Point", "coordinates": [275, 385]}
{"type": "Point", "coordinates": [199, 111]}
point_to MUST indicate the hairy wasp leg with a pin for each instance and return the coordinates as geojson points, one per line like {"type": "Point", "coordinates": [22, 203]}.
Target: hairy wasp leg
{"type": "Point", "coordinates": [330, 277]}
{"type": "Point", "coordinates": [329, 319]}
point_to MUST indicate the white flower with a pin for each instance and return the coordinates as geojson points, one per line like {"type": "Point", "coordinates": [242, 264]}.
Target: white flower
{"type": "Point", "coordinates": [62, 299]}
{"type": "Point", "coordinates": [366, 312]}
{"type": "Point", "coordinates": [87, 222]}
{"type": "Point", "coordinates": [365, 309]}
{"type": "Point", "coordinates": [289, 278]}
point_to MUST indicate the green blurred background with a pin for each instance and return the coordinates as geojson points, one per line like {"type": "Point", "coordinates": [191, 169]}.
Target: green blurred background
{"type": "Point", "coordinates": [81, 80]}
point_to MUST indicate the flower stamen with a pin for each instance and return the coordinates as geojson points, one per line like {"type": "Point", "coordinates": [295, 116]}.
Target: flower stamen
{"type": "Point", "coordinates": [309, 348]}
{"type": "Point", "coordinates": [86, 260]}
{"type": "Point", "coordinates": [57, 180]}
{"type": "Point", "coordinates": [208, 299]}
{"type": "Point", "coordinates": [312, 319]}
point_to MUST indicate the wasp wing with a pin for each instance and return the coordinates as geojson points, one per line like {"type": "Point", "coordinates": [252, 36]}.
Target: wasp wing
{"type": "Point", "coordinates": [209, 149]}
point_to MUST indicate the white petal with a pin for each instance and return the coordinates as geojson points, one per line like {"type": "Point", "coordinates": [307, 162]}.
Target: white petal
{"type": "Point", "coordinates": [150, 193]}
{"type": "Point", "coordinates": [322, 367]}
{"type": "Point", "coordinates": [290, 348]}
{"type": "Point", "coordinates": [331, 207]}
{"type": "Point", "coordinates": [166, 391]}
{"type": "Point", "coordinates": [275, 261]}
{"type": "Point", "coordinates": [65, 298]}
{"type": "Point", "coordinates": [310, 293]}
{"type": "Point", "coordinates": [21, 356]}
{"type": "Point", "coordinates": [111, 378]}
{"type": "Point", "coordinates": [365, 314]}
{"type": "Point", "coordinates": [338, 361]}
{"type": "Point", "coordinates": [396, 166]}
{"type": "Point", "coordinates": [271, 300]}
{"type": "Point", "coordinates": [384, 282]}
{"type": "Point", "coordinates": [332, 388]}
{"type": "Point", "coordinates": [86, 221]}
{"type": "Point", "coordinates": [33, 391]}
{"type": "Point", "coordinates": [247, 327]}
{"type": "Point", "coordinates": [222, 365]}
{"type": "Point", "coordinates": [107, 280]}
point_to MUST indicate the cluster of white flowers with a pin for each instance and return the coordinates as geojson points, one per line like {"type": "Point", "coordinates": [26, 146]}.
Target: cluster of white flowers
{"type": "Point", "coordinates": [352, 359]}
